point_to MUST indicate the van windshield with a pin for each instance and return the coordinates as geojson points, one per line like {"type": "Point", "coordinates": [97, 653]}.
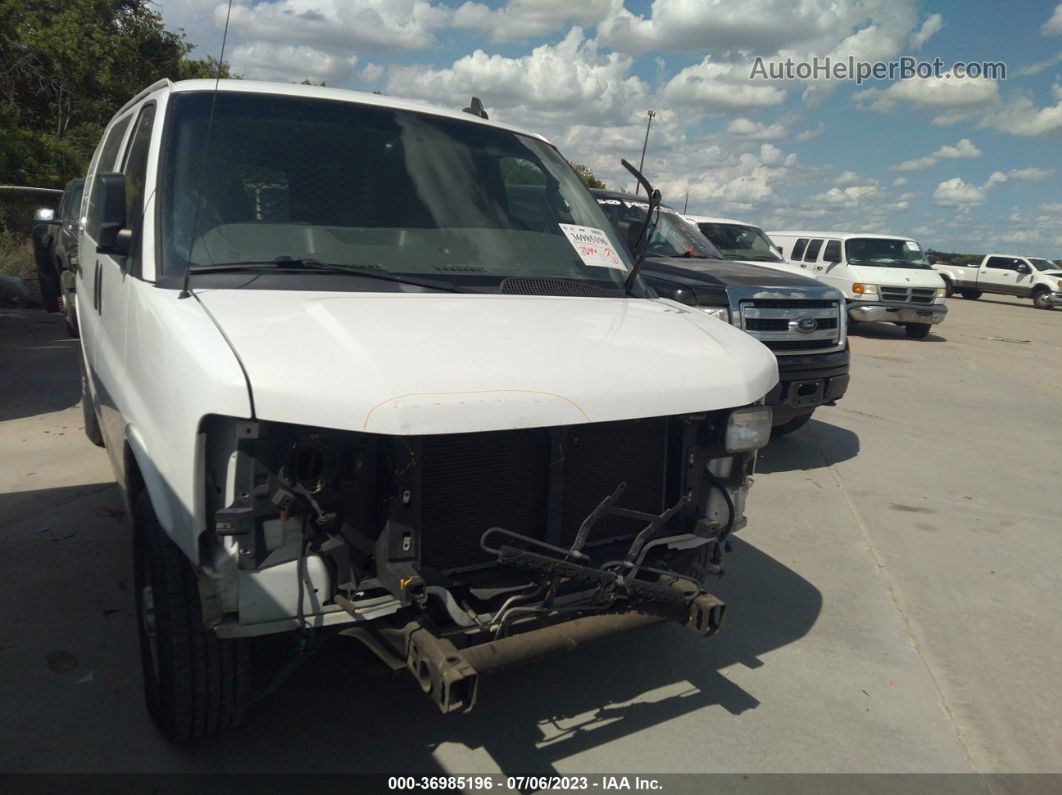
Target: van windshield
{"type": "Point", "coordinates": [364, 187]}
{"type": "Point", "coordinates": [885, 252]}
{"type": "Point", "coordinates": [673, 235]}
{"type": "Point", "coordinates": [740, 242]}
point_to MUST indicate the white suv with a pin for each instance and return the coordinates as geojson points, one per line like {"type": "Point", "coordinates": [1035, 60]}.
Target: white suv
{"type": "Point", "coordinates": [363, 363]}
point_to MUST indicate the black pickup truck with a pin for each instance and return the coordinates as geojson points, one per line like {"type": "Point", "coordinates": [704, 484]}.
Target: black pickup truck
{"type": "Point", "coordinates": [802, 320]}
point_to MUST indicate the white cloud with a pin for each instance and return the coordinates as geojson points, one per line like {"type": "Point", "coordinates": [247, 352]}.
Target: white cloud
{"type": "Point", "coordinates": [848, 178]}
{"type": "Point", "coordinates": [1030, 174]}
{"type": "Point", "coordinates": [264, 61]}
{"type": "Point", "coordinates": [932, 24]}
{"type": "Point", "coordinates": [343, 25]}
{"type": "Point", "coordinates": [1039, 66]}
{"type": "Point", "coordinates": [946, 93]}
{"type": "Point", "coordinates": [519, 19]}
{"type": "Point", "coordinates": [712, 87]}
{"type": "Point", "coordinates": [570, 80]}
{"type": "Point", "coordinates": [811, 133]}
{"type": "Point", "coordinates": [1023, 118]}
{"type": "Point", "coordinates": [963, 150]}
{"type": "Point", "coordinates": [899, 182]}
{"type": "Point", "coordinates": [852, 195]}
{"type": "Point", "coordinates": [956, 192]}
{"type": "Point", "coordinates": [1053, 26]}
{"type": "Point", "coordinates": [754, 130]}
{"type": "Point", "coordinates": [753, 25]}
{"type": "Point", "coordinates": [372, 72]}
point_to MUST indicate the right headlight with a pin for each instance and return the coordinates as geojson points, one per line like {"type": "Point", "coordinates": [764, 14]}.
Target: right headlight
{"type": "Point", "coordinates": [865, 291]}
{"type": "Point", "coordinates": [720, 312]}
{"type": "Point", "coordinates": [748, 428]}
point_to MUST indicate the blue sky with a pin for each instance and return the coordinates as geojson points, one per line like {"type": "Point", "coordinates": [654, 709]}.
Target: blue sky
{"type": "Point", "coordinates": [962, 164]}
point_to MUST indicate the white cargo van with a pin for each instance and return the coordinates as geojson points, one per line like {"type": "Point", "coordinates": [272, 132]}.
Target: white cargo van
{"type": "Point", "coordinates": [368, 367]}
{"type": "Point", "coordinates": [884, 278]}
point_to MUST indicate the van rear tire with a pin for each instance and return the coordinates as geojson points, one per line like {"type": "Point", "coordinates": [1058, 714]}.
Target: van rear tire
{"type": "Point", "coordinates": [970, 295]}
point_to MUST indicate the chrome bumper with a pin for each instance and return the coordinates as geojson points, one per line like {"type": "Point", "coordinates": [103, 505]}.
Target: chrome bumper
{"type": "Point", "coordinates": [897, 313]}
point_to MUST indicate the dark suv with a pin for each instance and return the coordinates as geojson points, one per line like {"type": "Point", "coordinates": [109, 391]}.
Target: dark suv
{"type": "Point", "coordinates": [57, 261]}
{"type": "Point", "coordinates": [802, 320]}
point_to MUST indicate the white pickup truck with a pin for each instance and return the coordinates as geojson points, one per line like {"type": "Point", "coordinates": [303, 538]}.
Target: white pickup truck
{"type": "Point", "coordinates": [1006, 274]}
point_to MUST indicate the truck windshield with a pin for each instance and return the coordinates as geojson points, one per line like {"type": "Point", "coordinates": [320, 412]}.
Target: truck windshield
{"type": "Point", "coordinates": [741, 242]}
{"type": "Point", "coordinates": [673, 236]}
{"type": "Point", "coordinates": [885, 252]}
{"type": "Point", "coordinates": [1044, 265]}
{"type": "Point", "coordinates": [359, 186]}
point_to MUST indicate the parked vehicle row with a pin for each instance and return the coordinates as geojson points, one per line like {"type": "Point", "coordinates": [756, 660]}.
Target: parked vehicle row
{"type": "Point", "coordinates": [371, 368]}
{"type": "Point", "coordinates": [800, 319]}
{"type": "Point", "coordinates": [1006, 274]}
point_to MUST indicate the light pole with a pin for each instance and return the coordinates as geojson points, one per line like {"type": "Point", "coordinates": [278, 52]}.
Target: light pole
{"type": "Point", "coordinates": [645, 143]}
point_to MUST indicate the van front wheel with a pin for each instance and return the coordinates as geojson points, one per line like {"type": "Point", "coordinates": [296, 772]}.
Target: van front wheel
{"type": "Point", "coordinates": [195, 683]}
{"type": "Point", "coordinates": [917, 331]}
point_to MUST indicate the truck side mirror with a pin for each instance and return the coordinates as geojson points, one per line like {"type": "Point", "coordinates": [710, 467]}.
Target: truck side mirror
{"type": "Point", "coordinates": [113, 235]}
{"type": "Point", "coordinates": [45, 215]}
{"type": "Point", "coordinates": [1023, 267]}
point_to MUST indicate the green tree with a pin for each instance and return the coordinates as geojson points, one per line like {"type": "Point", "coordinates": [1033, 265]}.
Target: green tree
{"type": "Point", "coordinates": [587, 176]}
{"type": "Point", "coordinates": [66, 68]}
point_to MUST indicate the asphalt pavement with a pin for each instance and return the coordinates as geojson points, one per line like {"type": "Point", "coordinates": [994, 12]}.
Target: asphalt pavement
{"type": "Point", "coordinates": [894, 600]}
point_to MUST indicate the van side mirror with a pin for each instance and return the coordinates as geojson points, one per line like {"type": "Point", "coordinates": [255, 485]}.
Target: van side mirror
{"type": "Point", "coordinates": [1023, 267]}
{"type": "Point", "coordinates": [113, 235]}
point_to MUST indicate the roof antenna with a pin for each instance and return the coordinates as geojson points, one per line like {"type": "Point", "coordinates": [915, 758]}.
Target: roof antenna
{"type": "Point", "coordinates": [202, 162]}
{"type": "Point", "coordinates": [475, 107]}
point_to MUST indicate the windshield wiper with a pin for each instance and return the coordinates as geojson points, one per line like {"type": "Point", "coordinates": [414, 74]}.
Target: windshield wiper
{"type": "Point", "coordinates": [290, 264]}
{"type": "Point", "coordinates": [642, 250]}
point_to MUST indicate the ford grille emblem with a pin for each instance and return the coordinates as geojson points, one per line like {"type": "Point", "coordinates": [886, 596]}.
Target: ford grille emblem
{"type": "Point", "coordinates": [806, 324]}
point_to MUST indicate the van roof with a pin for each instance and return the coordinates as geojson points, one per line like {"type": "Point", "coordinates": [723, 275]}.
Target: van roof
{"type": "Point", "coordinates": [335, 94]}
{"type": "Point", "coordinates": [706, 219]}
{"type": "Point", "coordinates": [839, 235]}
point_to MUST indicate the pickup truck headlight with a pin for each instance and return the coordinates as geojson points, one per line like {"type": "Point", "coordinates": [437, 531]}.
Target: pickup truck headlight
{"type": "Point", "coordinates": [865, 291]}
{"type": "Point", "coordinates": [939, 295]}
{"type": "Point", "coordinates": [748, 429]}
{"type": "Point", "coordinates": [720, 312]}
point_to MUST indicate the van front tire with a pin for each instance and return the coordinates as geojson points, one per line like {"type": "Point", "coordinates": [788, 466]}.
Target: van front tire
{"type": "Point", "coordinates": [195, 683]}
{"type": "Point", "coordinates": [917, 331]}
{"type": "Point", "coordinates": [970, 295]}
{"type": "Point", "coordinates": [794, 424]}
{"type": "Point", "coordinates": [1042, 298]}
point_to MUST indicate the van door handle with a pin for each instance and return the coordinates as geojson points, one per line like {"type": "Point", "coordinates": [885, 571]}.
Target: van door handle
{"type": "Point", "coordinates": [97, 297]}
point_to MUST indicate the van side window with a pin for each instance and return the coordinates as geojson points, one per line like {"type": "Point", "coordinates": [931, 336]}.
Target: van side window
{"type": "Point", "coordinates": [105, 164]}
{"type": "Point", "coordinates": [832, 252]}
{"type": "Point", "coordinates": [135, 168]}
{"type": "Point", "coordinates": [812, 253]}
{"type": "Point", "coordinates": [1000, 263]}
{"type": "Point", "coordinates": [798, 248]}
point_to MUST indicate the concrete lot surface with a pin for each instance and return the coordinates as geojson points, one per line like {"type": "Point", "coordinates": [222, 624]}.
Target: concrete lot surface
{"type": "Point", "coordinates": [894, 599]}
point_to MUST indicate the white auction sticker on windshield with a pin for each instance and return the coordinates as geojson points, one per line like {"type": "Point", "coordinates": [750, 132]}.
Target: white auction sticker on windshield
{"type": "Point", "coordinates": [593, 246]}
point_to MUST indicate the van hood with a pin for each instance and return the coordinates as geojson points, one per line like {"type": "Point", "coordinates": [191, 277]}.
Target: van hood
{"type": "Point", "coordinates": [896, 277]}
{"type": "Point", "coordinates": [424, 363]}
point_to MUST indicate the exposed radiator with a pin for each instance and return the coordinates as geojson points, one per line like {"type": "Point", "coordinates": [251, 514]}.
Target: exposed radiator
{"type": "Point", "coordinates": [471, 482]}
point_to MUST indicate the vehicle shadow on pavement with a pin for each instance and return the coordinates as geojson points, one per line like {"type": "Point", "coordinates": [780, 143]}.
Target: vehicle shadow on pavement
{"type": "Point", "coordinates": [38, 364]}
{"type": "Point", "coordinates": [816, 445]}
{"type": "Point", "coordinates": [531, 718]}
{"type": "Point", "coordinates": [887, 331]}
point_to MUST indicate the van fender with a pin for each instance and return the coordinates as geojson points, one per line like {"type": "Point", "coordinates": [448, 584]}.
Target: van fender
{"type": "Point", "coordinates": [164, 501]}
